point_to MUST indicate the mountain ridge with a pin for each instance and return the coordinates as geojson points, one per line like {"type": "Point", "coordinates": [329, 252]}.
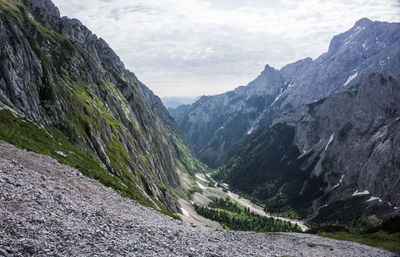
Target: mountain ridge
{"type": "Point", "coordinates": [66, 94]}
{"type": "Point", "coordinates": [368, 49]}
{"type": "Point", "coordinates": [60, 76]}
{"type": "Point", "coordinates": [314, 158]}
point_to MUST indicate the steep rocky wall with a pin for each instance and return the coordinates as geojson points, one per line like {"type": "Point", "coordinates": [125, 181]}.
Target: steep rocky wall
{"type": "Point", "coordinates": [54, 71]}
{"type": "Point", "coordinates": [332, 160]}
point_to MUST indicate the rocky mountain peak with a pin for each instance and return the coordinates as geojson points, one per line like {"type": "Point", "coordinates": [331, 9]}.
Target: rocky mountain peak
{"type": "Point", "coordinates": [42, 6]}
{"type": "Point", "coordinates": [269, 68]}
{"type": "Point", "coordinates": [366, 36]}
{"type": "Point", "coordinates": [269, 81]}
{"type": "Point", "coordinates": [363, 22]}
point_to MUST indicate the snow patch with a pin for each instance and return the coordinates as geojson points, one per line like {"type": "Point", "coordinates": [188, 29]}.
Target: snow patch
{"type": "Point", "coordinates": [350, 79]}
{"type": "Point", "coordinates": [373, 198]}
{"type": "Point", "coordinates": [61, 154]}
{"type": "Point", "coordinates": [358, 30]}
{"type": "Point", "coordinates": [396, 208]}
{"type": "Point", "coordinates": [250, 131]}
{"type": "Point", "coordinates": [277, 98]}
{"type": "Point", "coordinates": [330, 141]}
{"type": "Point", "coordinates": [365, 192]}
{"type": "Point", "coordinates": [305, 152]}
{"type": "Point", "coordinates": [364, 45]}
{"type": "Point", "coordinates": [323, 206]}
{"type": "Point", "coordinates": [340, 182]}
{"type": "Point", "coordinates": [355, 33]}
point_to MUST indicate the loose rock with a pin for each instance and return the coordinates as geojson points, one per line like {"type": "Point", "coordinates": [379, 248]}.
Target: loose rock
{"type": "Point", "coordinates": [84, 218]}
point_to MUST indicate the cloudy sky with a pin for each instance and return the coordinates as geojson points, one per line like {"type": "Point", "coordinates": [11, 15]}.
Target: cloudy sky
{"type": "Point", "coordinates": [196, 47]}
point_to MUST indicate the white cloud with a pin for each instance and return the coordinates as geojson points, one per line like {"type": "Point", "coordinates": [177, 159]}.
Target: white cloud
{"type": "Point", "coordinates": [194, 47]}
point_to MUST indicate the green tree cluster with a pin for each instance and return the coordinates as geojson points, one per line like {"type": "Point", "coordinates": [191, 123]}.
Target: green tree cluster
{"type": "Point", "coordinates": [236, 217]}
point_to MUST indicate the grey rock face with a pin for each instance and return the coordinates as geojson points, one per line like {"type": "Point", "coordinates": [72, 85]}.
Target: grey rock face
{"type": "Point", "coordinates": [57, 72]}
{"type": "Point", "coordinates": [43, 7]}
{"type": "Point", "coordinates": [48, 209]}
{"type": "Point", "coordinates": [158, 107]}
{"type": "Point", "coordinates": [214, 123]}
{"type": "Point", "coordinates": [357, 134]}
{"type": "Point", "coordinates": [332, 156]}
{"type": "Point", "coordinates": [366, 48]}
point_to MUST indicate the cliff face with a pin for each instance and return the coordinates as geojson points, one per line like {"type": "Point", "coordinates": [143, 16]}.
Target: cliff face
{"type": "Point", "coordinates": [59, 75]}
{"type": "Point", "coordinates": [331, 160]}
{"type": "Point", "coordinates": [214, 123]}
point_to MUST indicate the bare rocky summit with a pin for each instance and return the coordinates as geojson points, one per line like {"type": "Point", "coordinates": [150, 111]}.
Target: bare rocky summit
{"type": "Point", "coordinates": [48, 209]}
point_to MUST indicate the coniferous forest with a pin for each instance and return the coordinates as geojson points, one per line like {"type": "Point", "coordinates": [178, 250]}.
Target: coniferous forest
{"type": "Point", "coordinates": [233, 216]}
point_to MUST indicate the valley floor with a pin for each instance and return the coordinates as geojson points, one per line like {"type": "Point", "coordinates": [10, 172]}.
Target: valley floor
{"type": "Point", "coordinates": [220, 193]}
{"type": "Point", "coordinates": [48, 209]}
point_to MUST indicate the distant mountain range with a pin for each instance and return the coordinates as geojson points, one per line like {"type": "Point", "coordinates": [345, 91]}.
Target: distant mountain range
{"type": "Point", "coordinates": [214, 123]}
{"type": "Point", "coordinates": [318, 138]}
{"type": "Point", "coordinates": [175, 101]}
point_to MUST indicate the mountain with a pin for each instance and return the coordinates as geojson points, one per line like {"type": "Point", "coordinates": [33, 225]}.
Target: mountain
{"type": "Point", "coordinates": [179, 112]}
{"type": "Point", "coordinates": [334, 160]}
{"type": "Point", "coordinates": [68, 106]}
{"type": "Point", "coordinates": [175, 101]}
{"type": "Point", "coordinates": [214, 123]}
{"type": "Point", "coordinates": [65, 93]}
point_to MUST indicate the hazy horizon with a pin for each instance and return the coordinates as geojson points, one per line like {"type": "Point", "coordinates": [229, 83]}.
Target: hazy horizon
{"type": "Point", "coordinates": [197, 47]}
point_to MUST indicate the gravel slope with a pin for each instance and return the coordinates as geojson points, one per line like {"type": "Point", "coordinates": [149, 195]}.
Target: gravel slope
{"type": "Point", "coordinates": [48, 209]}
